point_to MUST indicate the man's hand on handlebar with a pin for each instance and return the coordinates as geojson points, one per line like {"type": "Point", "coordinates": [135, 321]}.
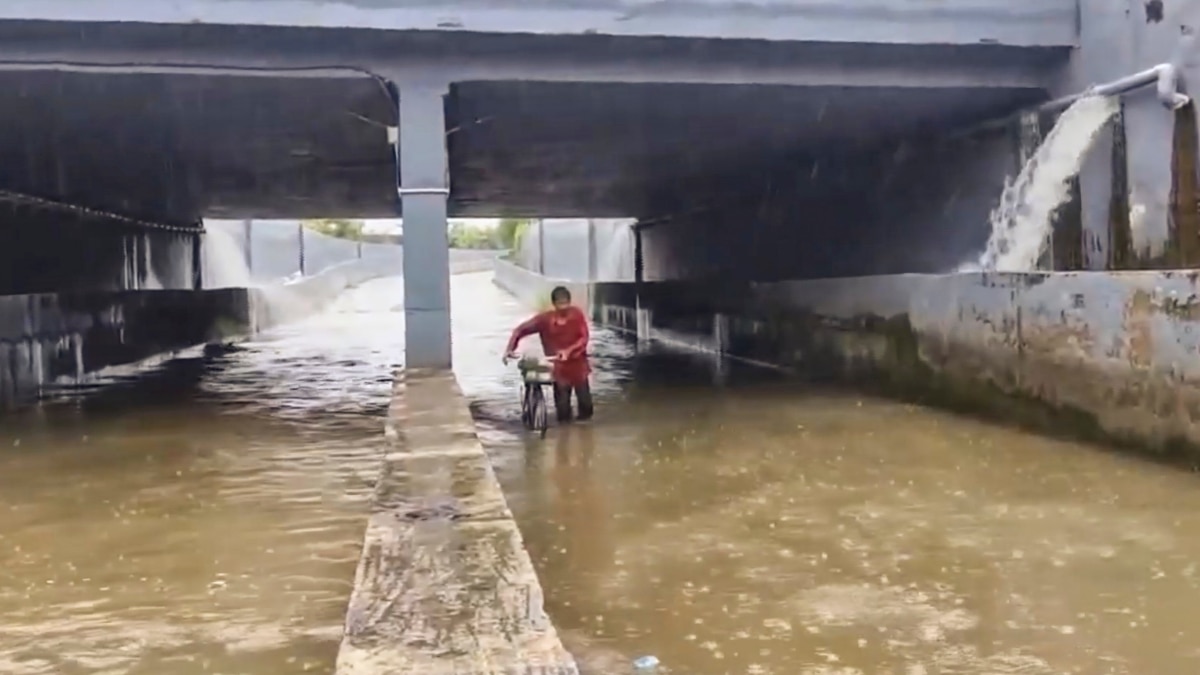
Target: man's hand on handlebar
{"type": "Point", "coordinates": [514, 356]}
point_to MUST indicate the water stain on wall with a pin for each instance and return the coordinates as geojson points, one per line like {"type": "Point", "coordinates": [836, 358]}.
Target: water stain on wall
{"type": "Point", "coordinates": [1154, 11]}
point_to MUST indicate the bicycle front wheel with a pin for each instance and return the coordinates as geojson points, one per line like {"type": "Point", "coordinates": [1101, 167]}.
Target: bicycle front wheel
{"type": "Point", "coordinates": [538, 412]}
{"type": "Point", "coordinates": [527, 406]}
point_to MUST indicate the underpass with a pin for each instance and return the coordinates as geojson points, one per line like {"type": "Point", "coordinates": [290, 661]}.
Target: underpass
{"type": "Point", "coordinates": [801, 179]}
{"type": "Point", "coordinates": [724, 519]}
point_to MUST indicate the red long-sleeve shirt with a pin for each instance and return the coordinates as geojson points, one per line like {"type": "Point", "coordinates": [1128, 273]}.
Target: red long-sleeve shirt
{"type": "Point", "coordinates": [563, 333]}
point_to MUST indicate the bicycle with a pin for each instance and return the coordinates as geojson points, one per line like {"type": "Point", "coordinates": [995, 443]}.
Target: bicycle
{"type": "Point", "coordinates": [536, 374]}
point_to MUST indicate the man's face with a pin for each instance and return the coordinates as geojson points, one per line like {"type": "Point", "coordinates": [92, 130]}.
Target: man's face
{"type": "Point", "coordinates": [561, 305]}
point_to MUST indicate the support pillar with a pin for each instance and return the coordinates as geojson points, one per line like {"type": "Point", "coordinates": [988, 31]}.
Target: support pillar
{"type": "Point", "coordinates": [300, 245]}
{"type": "Point", "coordinates": [198, 258]}
{"type": "Point", "coordinates": [1149, 138]}
{"type": "Point", "coordinates": [248, 242]}
{"type": "Point", "coordinates": [423, 194]}
{"type": "Point", "coordinates": [641, 316]}
{"type": "Point", "coordinates": [541, 232]}
{"type": "Point", "coordinates": [593, 264]}
{"type": "Point", "coordinates": [639, 274]}
{"type": "Point", "coordinates": [1095, 189]}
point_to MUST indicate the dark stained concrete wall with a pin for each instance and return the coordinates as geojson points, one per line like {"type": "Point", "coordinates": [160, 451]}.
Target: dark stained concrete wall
{"type": "Point", "coordinates": [44, 251]}
{"type": "Point", "coordinates": [917, 206]}
{"type": "Point", "coordinates": [49, 340]}
{"type": "Point", "coordinates": [1116, 39]}
{"type": "Point", "coordinates": [53, 339]}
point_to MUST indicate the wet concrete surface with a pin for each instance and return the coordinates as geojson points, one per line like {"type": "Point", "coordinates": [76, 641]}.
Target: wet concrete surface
{"type": "Point", "coordinates": [445, 585]}
{"type": "Point", "coordinates": [207, 518]}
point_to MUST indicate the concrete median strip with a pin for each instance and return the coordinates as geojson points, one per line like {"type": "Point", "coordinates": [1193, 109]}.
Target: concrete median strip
{"type": "Point", "coordinates": [445, 585]}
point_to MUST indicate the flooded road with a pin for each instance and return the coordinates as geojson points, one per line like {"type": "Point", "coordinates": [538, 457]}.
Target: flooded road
{"type": "Point", "coordinates": [207, 518]}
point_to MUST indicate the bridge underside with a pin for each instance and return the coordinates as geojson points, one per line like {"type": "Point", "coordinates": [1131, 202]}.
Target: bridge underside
{"type": "Point", "coordinates": [577, 150]}
{"type": "Point", "coordinates": [182, 126]}
{"type": "Point", "coordinates": [718, 145]}
{"type": "Point", "coordinates": [177, 147]}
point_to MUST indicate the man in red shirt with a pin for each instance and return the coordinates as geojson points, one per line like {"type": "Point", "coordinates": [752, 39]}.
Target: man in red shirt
{"type": "Point", "coordinates": [564, 334]}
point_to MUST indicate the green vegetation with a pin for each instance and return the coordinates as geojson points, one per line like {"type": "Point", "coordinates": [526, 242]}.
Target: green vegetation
{"type": "Point", "coordinates": [506, 235]}
{"type": "Point", "coordinates": [511, 231]}
{"type": "Point", "coordinates": [342, 229]}
{"type": "Point", "coordinates": [462, 234]}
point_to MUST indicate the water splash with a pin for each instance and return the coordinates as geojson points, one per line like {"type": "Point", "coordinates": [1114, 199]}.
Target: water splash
{"type": "Point", "coordinates": [274, 303]}
{"type": "Point", "coordinates": [1021, 222]}
{"type": "Point", "coordinates": [224, 260]}
{"type": "Point", "coordinates": [614, 249]}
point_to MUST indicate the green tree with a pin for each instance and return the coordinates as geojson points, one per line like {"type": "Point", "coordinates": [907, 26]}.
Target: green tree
{"type": "Point", "coordinates": [510, 231]}
{"type": "Point", "coordinates": [464, 235]}
{"type": "Point", "coordinates": [333, 227]}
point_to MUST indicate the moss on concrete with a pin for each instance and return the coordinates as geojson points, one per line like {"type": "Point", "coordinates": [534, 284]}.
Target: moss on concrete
{"type": "Point", "coordinates": [819, 348]}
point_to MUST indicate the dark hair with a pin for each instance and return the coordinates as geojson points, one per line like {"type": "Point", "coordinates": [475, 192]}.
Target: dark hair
{"type": "Point", "coordinates": [560, 293]}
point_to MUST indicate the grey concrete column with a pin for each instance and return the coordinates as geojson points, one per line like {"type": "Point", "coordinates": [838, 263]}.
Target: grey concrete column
{"type": "Point", "coordinates": [300, 245]}
{"type": "Point", "coordinates": [1149, 136]}
{"type": "Point", "coordinates": [248, 239]}
{"type": "Point", "coordinates": [1095, 189]}
{"type": "Point", "coordinates": [541, 234]}
{"type": "Point", "coordinates": [593, 265]}
{"type": "Point", "coordinates": [639, 274]}
{"type": "Point", "coordinates": [198, 259]}
{"type": "Point", "coordinates": [720, 333]}
{"type": "Point", "coordinates": [641, 316]}
{"type": "Point", "coordinates": [1117, 39]}
{"type": "Point", "coordinates": [423, 194]}
{"type": "Point", "coordinates": [1106, 52]}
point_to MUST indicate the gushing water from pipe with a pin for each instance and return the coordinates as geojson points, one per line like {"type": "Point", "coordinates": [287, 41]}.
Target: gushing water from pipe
{"type": "Point", "coordinates": [1021, 223]}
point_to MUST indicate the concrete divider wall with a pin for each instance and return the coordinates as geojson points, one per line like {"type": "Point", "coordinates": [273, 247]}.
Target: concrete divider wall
{"type": "Point", "coordinates": [1094, 354]}
{"type": "Point", "coordinates": [280, 303]}
{"type": "Point", "coordinates": [275, 248]}
{"type": "Point", "coordinates": [534, 289]}
{"type": "Point", "coordinates": [445, 584]}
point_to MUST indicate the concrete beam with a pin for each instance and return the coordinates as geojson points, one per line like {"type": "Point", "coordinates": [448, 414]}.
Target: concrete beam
{"type": "Point", "coordinates": [882, 71]}
{"type": "Point", "coordinates": [968, 22]}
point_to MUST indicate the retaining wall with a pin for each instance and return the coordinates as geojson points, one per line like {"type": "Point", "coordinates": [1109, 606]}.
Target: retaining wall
{"type": "Point", "coordinates": [1104, 355]}
{"type": "Point", "coordinates": [59, 339]}
{"type": "Point", "coordinates": [273, 250]}
{"type": "Point", "coordinates": [52, 340]}
{"type": "Point", "coordinates": [580, 249]}
{"type": "Point", "coordinates": [533, 289]}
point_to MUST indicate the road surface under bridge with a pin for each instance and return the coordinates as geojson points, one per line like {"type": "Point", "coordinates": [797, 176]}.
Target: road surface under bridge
{"type": "Point", "coordinates": [207, 517]}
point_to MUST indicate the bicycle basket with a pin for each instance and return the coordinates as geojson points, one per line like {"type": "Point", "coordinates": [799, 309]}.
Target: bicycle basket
{"type": "Point", "coordinates": [536, 371]}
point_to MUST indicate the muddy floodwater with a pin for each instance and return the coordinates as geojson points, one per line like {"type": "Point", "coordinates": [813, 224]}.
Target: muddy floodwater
{"type": "Point", "coordinates": [206, 517]}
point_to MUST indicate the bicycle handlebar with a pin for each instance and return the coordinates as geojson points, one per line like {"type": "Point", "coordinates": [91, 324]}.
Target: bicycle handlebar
{"type": "Point", "coordinates": [537, 361]}
{"type": "Point", "coordinates": [527, 361]}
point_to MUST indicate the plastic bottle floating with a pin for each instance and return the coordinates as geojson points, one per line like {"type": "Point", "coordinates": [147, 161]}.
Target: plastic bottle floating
{"type": "Point", "coordinates": [645, 664]}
